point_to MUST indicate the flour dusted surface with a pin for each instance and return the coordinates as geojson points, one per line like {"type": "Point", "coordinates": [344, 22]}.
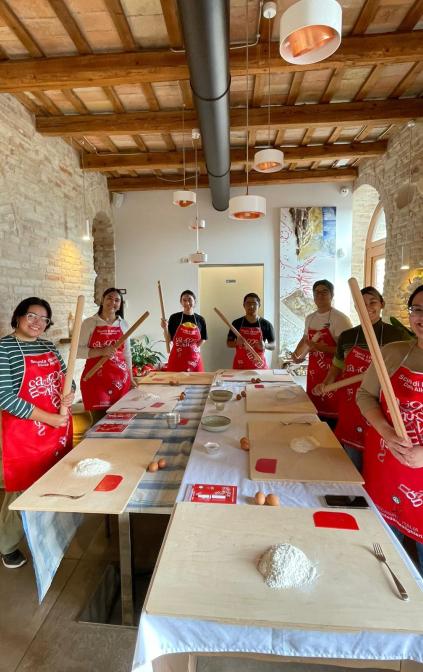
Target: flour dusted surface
{"type": "Point", "coordinates": [92, 466]}
{"type": "Point", "coordinates": [286, 566]}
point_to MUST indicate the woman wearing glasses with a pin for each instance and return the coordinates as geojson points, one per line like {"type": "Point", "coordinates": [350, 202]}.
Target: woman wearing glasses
{"type": "Point", "coordinates": [34, 434]}
{"type": "Point", "coordinates": [99, 334]}
{"type": "Point", "coordinates": [393, 467]}
{"type": "Point", "coordinates": [321, 332]}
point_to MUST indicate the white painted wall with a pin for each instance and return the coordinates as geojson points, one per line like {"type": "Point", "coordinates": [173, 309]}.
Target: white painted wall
{"type": "Point", "coordinates": [152, 236]}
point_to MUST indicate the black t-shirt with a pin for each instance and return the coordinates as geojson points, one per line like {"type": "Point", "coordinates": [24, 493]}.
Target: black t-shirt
{"type": "Point", "coordinates": [175, 321]}
{"type": "Point", "coordinates": [384, 332]}
{"type": "Point", "coordinates": [265, 326]}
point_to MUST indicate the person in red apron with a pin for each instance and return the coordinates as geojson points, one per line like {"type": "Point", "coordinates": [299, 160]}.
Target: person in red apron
{"type": "Point", "coordinates": [322, 329]}
{"type": "Point", "coordinates": [256, 330]}
{"type": "Point", "coordinates": [352, 357]}
{"type": "Point", "coordinates": [99, 334]}
{"type": "Point", "coordinates": [34, 433]}
{"type": "Point", "coordinates": [393, 466]}
{"type": "Point", "coordinates": [187, 331]}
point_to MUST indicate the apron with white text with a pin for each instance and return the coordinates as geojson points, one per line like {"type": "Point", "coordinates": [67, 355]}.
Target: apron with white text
{"type": "Point", "coordinates": [243, 359]}
{"type": "Point", "coordinates": [319, 364]}
{"type": "Point", "coordinates": [185, 354]}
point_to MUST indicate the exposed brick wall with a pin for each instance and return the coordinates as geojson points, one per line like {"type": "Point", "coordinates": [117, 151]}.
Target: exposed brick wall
{"type": "Point", "coordinates": [42, 221]}
{"type": "Point", "coordinates": [365, 200]}
{"type": "Point", "coordinates": [404, 227]}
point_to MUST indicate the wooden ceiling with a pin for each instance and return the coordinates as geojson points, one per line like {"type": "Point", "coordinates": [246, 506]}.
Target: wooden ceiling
{"type": "Point", "coordinates": [111, 78]}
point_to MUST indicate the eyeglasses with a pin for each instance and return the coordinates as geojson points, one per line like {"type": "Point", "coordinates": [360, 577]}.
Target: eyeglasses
{"type": "Point", "coordinates": [417, 311]}
{"type": "Point", "coordinates": [33, 317]}
{"type": "Point", "coordinates": [322, 292]}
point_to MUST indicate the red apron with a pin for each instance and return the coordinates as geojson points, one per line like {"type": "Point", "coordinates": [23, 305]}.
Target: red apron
{"type": "Point", "coordinates": [110, 382]}
{"type": "Point", "coordinates": [30, 447]}
{"type": "Point", "coordinates": [396, 489]}
{"type": "Point", "coordinates": [243, 358]}
{"type": "Point", "coordinates": [351, 424]}
{"type": "Point", "coordinates": [319, 364]}
{"type": "Point", "coordinates": [185, 353]}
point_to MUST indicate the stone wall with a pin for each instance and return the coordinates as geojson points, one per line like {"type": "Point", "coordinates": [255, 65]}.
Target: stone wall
{"type": "Point", "coordinates": [404, 226]}
{"type": "Point", "coordinates": [42, 222]}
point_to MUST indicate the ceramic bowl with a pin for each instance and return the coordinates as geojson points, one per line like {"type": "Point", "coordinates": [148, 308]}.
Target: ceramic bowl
{"type": "Point", "coordinates": [221, 396]}
{"type": "Point", "coordinates": [215, 423]}
{"type": "Point", "coordinates": [212, 448]}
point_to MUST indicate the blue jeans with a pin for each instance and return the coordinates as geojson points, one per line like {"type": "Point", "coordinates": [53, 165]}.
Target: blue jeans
{"type": "Point", "coordinates": [419, 546]}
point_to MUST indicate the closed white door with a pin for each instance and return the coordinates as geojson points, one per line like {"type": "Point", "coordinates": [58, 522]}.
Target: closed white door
{"type": "Point", "coordinates": [224, 287]}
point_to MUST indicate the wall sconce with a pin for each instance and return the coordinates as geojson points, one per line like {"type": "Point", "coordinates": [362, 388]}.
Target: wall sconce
{"type": "Point", "coordinates": [405, 261]}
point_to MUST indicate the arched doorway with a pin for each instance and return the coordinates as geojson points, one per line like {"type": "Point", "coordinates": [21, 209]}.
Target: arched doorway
{"type": "Point", "coordinates": [104, 254]}
{"type": "Point", "coordinates": [375, 250]}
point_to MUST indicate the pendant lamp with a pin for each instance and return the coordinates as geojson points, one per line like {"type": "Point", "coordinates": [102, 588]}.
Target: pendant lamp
{"type": "Point", "coordinates": [268, 160]}
{"type": "Point", "coordinates": [183, 197]}
{"type": "Point", "coordinates": [199, 256]}
{"type": "Point", "coordinates": [248, 206]}
{"type": "Point", "coordinates": [310, 31]}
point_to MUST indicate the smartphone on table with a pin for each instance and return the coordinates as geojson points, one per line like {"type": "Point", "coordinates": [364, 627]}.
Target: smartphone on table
{"type": "Point", "coordinates": [347, 501]}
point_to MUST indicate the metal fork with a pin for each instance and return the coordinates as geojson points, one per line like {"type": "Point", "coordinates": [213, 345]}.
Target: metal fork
{"type": "Point", "coordinates": [62, 494]}
{"type": "Point", "coordinates": [381, 557]}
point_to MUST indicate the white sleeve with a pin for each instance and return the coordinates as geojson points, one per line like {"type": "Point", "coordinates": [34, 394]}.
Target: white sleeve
{"type": "Point", "coordinates": [341, 323]}
{"type": "Point", "coordinates": [306, 325]}
{"type": "Point", "coordinates": [87, 329]}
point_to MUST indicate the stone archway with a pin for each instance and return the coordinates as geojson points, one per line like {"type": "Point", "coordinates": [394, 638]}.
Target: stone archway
{"type": "Point", "coordinates": [365, 201]}
{"type": "Point", "coordinates": [104, 254]}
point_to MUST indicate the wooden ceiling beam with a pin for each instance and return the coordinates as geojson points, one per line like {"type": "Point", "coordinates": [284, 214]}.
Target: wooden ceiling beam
{"type": "Point", "coordinates": [406, 81]}
{"type": "Point", "coordinates": [72, 72]}
{"type": "Point", "coordinates": [294, 89]}
{"type": "Point", "coordinates": [118, 16]}
{"type": "Point", "coordinates": [116, 102]}
{"type": "Point", "coordinates": [23, 35]}
{"type": "Point", "coordinates": [186, 92]}
{"type": "Point", "coordinates": [238, 179]}
{"type": "Point", "coordinates": [70, 25]}
{"type": "Point", "coordinates": [366, 16]}
{"type": "Point", "coordinates": [171, 19]}
{"type": "Point", "coordinates": [412, 17]}
{"type": "Point", "coordinates": [75, 100]}
{"type": "Point", "coordinates": [332, 85]}
{"type": "Point", "coordinates": [165, 160]}
{"type": "Point", "coordinates": [295, 116]}
{"type": "Point", "coordinates": [369, 83]}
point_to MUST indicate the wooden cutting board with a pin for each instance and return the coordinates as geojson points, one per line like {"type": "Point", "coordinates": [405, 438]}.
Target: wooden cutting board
{"type": "Point", "coordinates": [244, 376]}
{"type": "Point", "coordinates": [218, 547]}
{"type": "Point", "coordinates": [129, 459]}
{"type": "Point", "coordinates": [137, 400]}
{"type": "Point", "coordinates": [263, 399]}
{"type": "Point", "coordinates": [273, 459]}
{"type": "Point", "coordinates": [173, 378]}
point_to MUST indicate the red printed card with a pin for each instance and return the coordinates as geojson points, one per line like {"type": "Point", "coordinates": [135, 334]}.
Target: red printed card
{"type": "Point", "coordinates": [121, 415]}
{"type": "Point", "coordinates": [213, 494]}
{"type": "Point", "coordinates": [111, 427]}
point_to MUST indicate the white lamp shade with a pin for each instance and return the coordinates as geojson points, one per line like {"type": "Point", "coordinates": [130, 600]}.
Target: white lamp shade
{"type": "Point", "coordinates": [268, 160]}
{"type": "Point", "coordinates": [309, 33]}
{"type": "Point", "coordinates": [184, 198]}
{"type": "Point", "coordinates": [247, 207]}
{"type": "Point", "coordinates": [198, 257]}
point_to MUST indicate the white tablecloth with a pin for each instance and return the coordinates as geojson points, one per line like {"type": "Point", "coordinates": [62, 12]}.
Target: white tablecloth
{"type": "Point", "coordinates": [158, 635]}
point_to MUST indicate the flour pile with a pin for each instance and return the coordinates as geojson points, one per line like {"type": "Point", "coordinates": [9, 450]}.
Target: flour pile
{"type": "Point", "coordinates": [286, 566]}
{"type": "Point", "coordinates": [304, 444]}
{"type": "Point", "coordinates": [92, 466]}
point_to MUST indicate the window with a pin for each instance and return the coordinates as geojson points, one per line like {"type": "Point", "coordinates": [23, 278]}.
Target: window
{"type": "Point", "coordinates": [375, 250]}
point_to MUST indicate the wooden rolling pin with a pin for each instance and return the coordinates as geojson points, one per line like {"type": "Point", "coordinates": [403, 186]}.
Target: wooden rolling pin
{"type": "Point", "coordinates": [238, 335]}
{"type": "Point", "coordinates": [73, 350]}
{"type": "Point", "coordinates": [344, 382]}
{"type": "Point", "coordinates": [118, 343]}
{"type": "Point", "coordinates": [377, 359]}
{"type": "Point", "coordinates": [162, 309]}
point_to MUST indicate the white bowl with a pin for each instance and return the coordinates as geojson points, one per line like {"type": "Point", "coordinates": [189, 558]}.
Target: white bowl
{"type": "Point", "coordinates": [215, 423]}
{"type": "Point", "coordinates": [221, 396]}
{"type": "Point", "coordinates": [212, 448]}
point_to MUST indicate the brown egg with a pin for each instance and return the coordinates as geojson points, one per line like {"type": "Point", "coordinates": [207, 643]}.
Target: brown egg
{"type": "Point", "coordinates": [260, 498]}
{"type": "Point", "coordinates": [153, 466]}
{"type": "Point", "coordinates": [258, 380]}
{"type": "Point", "coordinates": [272, 500]}
{"type": "Point", "coordinates": [238, 396]}
{"type": "Point", "coordinates": [243, 393]}
{"type": "Point", "coordinates": [245, 443]}
{"type": "Point", "coordinates": [162, 463]}
{"type": "Point", "coordinates": [253, 380]}
{"type": "Point", "coordinates": [172, 382]}
{"type": "Point", "coordinates": [182, 396]}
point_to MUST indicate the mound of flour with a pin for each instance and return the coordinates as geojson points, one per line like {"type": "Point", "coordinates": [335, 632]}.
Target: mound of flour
{"type": "Point", "coordinates": [304, 444]}
{"type": "Point", "coordinates": [91, 466]}
{"type": "Point", "coordinates": [286, 566]}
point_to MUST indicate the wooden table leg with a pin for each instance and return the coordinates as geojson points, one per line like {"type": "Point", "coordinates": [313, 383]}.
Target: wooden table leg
{"type": "Point", "coordinates": [125, 554]}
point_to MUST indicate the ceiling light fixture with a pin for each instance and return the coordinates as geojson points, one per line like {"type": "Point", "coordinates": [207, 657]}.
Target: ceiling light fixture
{"type": "Point", "coordinates": [183, 197]}
{"type": "Point", "coordinates": [197, 257]}
{"type": "Point", "coordinates": [268, 160]}
{"type": "Point", "coordinates": [309, 33]}
{"type": "Point", "coordinates": [248, 206]}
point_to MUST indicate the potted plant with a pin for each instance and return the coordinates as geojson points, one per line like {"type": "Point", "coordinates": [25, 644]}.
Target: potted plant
{"type": "Point", "coordinates": [144, 357]}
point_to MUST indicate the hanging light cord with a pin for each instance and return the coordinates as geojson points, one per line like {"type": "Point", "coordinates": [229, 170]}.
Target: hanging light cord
{"type": "Point", "coordinates": [196, 195]}
{"type": "Point", "coordinates": [268, 85]}
{"type": "Point", "coordinates": [246, 88]}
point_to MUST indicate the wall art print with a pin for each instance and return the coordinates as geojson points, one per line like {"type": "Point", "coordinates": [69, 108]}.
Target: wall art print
{"type": "Point", "coordinates": [307, 254]}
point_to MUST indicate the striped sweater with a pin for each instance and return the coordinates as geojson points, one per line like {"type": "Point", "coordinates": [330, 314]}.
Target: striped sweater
{"type": "Point", "coordinates": [12, 371]}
